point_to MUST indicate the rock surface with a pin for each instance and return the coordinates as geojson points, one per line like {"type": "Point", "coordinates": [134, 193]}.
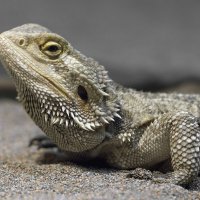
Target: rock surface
{"type": "Point", "coordinates": [22, 177]}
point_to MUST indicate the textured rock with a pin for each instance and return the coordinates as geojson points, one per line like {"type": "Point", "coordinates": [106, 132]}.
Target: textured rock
{"type": "Point", "coordinates": [22, 177]}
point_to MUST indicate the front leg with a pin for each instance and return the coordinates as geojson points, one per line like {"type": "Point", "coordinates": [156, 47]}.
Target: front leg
{"type": "Point", "coordinates": [180, 133]}
{"type": "Point", "coordinates": [175, 137]}
{"type": "Point", "coordinates": [184, 148]}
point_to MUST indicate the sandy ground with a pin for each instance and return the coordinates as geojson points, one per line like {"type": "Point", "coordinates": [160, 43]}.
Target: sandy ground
{"type": "Point", "coordinates": [23, 177]}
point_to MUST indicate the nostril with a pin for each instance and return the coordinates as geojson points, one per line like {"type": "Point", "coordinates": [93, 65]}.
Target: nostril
{"type": "Point", "coordinates": [22, 42]}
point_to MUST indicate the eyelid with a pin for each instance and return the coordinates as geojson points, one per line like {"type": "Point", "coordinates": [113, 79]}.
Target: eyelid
{"type": "Point", "coordinates": [47, 44]}
{"type": "Point", "coordinates": [45, 48]}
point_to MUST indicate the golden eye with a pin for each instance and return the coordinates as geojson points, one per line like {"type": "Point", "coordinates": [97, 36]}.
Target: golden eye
{"type": "Point", "coordinates": [52, 49]}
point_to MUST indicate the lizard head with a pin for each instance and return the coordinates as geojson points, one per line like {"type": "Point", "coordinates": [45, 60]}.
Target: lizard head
{"type": "Point", "coordinates": [59, 87]}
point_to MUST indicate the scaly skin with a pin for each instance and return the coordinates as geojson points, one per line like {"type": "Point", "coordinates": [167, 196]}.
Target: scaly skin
{"type": "Point", "coordinates": [72, 99]}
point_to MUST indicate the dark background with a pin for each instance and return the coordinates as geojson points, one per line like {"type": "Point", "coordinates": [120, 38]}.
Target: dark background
{"type": "Point", "coordinates": [143, 44]}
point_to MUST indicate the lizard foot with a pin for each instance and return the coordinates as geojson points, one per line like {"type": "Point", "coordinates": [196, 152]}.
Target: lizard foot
{"type": "Point", "coordinates": [179, 177]}
{"type": "Point", "coordinates": [52, 155]}
{"type": "Point", "coordinates": [42, 141]}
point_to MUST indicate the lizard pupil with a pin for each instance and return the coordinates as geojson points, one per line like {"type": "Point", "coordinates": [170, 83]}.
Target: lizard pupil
{"type": "Point", "coordinates": [82, 93]}
{"type": "Point", "coordinates": [53, 48]}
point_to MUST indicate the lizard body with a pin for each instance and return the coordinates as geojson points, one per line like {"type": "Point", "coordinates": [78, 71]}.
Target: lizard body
{"type": "Point", "coordinates": [73, 100]}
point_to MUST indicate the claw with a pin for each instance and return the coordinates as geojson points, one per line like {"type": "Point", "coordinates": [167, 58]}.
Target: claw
{"type": "Point", "coordinates": [42, 142]}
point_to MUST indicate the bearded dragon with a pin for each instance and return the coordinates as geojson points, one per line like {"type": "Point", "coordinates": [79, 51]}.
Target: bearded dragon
{"type": "Point", "coordinates": [86, 114]}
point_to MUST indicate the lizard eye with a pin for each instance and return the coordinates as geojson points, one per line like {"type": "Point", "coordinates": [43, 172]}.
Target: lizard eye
{"type": "Point", "coordinates": [82, 93]}
{"type": "Point", "coordinates": [52, 49]}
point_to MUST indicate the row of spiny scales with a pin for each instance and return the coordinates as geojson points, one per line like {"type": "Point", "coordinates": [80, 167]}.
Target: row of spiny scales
{"type": "Point", "coordinates": [56, 110]}
{"type": "Point", "coordinates": [60, 112]}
